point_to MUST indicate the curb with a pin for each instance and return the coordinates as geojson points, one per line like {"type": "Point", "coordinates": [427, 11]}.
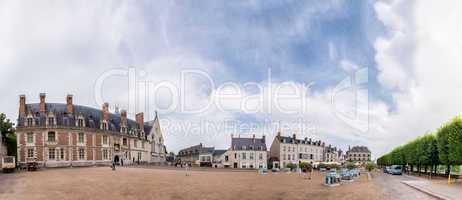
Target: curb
{"type": "Point", "coordinates": [432, 194]}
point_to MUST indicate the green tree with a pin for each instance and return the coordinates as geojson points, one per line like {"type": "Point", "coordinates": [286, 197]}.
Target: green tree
{"type": "Point", "coordinates": [305, 165]}
{"type": "Point", "coordinates": [443, 146]}
{"type": "Point", "coordinates": [455, 142]}
{"type": "Point", "coordinates": [8, 134]}
{"type": "Point", "coordinates": [350, 165]}
{"type": "Point", "coordinates": [291, 166]}
{"type": "Point", "coordinates": [370, 166]}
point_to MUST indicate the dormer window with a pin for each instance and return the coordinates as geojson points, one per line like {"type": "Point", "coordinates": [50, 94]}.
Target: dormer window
{"type": "Point", "coordinates": [30, 121]}
{"type": "Point", "coordinates": [51, 121]}
{"type": "Point", "coordinates": [80, 122]}
{"type": "Point", "coordinates": [104, 126]}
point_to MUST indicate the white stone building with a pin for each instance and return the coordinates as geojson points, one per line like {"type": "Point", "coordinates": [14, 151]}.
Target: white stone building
{"type": "Point", "coordinates": [286, 150]}
{"type": "Point", "coordinates": [246, 153]}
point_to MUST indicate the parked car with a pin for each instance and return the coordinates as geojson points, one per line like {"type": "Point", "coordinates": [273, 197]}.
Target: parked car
{"type": "Point", "coordinates": [396, 170]}
{"type": "Point", "coordinates": [386, 169]}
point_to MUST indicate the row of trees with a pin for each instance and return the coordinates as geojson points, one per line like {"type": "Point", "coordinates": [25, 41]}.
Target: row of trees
{"type": "Point", "coordinates": [430, 150]}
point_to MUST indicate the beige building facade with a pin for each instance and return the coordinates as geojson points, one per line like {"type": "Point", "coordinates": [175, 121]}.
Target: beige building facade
{"type": "Point", "coordinates": [285, 150]}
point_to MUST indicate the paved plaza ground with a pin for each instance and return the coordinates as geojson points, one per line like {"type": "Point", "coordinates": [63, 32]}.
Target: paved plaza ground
{"type": "Point", "coordinates": [159, 184]}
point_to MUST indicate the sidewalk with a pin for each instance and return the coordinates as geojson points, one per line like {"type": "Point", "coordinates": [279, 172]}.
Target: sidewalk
{"type": "Point", "coordinates": [438, 190]}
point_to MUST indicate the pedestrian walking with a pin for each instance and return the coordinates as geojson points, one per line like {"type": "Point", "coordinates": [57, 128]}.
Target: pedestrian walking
{"type": "Point", "coordinates": [187, 168]}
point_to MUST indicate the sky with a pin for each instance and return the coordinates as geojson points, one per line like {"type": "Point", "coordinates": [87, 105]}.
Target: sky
{"type": "Point", "coordinates": [373, 73]}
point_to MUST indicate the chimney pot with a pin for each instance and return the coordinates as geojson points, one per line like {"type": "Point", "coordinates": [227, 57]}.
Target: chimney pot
{"type": "Point", "coordinates": [105, 111]}
{"type": "Point", "coordinates": [123, 117]}
{"type": "Point", "coordinates": [69, 104]}
{"type": "Point", "coordinates": [42, 107]}
{"type": "Point", "coordinates": [140, 120]}
{"type": "Point", "coordinates": [22, 105]}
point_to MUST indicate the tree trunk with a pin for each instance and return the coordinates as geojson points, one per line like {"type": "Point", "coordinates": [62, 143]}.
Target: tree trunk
{"type": "Point", "coordinates": [448, 170]}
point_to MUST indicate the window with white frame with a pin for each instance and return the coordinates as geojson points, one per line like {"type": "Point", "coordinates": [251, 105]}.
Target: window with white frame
{"type": "Point", "coordinates": [61, 154]}
{"type": "Point", "coordinates": [251, 155]}
{"type": "Point", "coordinates": [51, 154]}
{"type": "Point", "coordinates": [30, 121]}
{"type": "Point", "coordinates": [105, 154]}
{"type": "Point", "coordinates": [104, 126]}
{"type": "Point", "coordinates": [244, 156]}
{"type": "Point", "coordinates": [51, 136]}
{"type": "Point", "coordinates": [30, 153]}
{"type": "Point", "coordinates": [51, 121]}
{"type": "Point", "coordinates": [30, 138]}
{"type": "Point", "coordinates": [260, 156]}
{"type": "Point", "coordinates": [81, 138]}
{"type": "Point", "coordinates": [80, 122]}
{"type": "Point", "coordinates": [81, 154]}
{"type": "Point", "coordinates": [142, 144]}
{"type": "Point", "coordinates": [135, 143]}
{"type": "Point", "coordinates": [105, 140]}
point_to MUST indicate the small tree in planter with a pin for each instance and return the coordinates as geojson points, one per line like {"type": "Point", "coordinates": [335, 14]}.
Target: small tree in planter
{"type": "Point", "coordinates": [306, 166]}
{"type": "Point", "coordinates": [370, 166]}
{"type": "Point", "coordinates": [350, 166]}
{"type": "Point", "coordinates": [291, 166]}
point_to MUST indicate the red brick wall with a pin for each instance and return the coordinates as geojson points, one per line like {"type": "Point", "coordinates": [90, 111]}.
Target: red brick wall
{"type": "Point", "coordinates": [38, 139]}
{"type": "Point", "coordinates": [22, 139]}
{"type": "Point", "coordinates": [74, 139]}
{"type": "Point", "coordinates": [99, 155]}
{"type": "Point", "coordinates": [98, 140]}
{"type": "Point", "coordinates": [62, 139]}
{"type": "Point", "coordinates": [89, 146]}
{"type": "Point", "coordinates": [22, 154]}
{"type": "Point", "coordinates": [39, 153]}
{"type": "Point", "coordinates": [89, 153]}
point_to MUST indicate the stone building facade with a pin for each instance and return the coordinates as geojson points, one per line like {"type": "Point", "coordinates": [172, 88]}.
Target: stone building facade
{"type": "Point", "coordinates": [64, 134]}
{"type": "Point", "coordinates": [358, 154]}
{"type": "Point", "coordinates": [286, 150]}
{"type": "Point", "coordinates": [250, 153]}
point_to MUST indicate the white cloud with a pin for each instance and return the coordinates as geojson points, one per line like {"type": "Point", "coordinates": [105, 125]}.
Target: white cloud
{"type": "Point", "coordinates": [419, 60]}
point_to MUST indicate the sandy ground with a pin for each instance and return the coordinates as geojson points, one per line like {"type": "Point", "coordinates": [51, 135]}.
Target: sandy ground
{"type": "Point", "coordinates": [159, 184]}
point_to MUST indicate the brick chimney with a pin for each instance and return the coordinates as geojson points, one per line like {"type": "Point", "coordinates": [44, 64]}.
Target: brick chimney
{"type": "Point", "coordinates": [253, 138]}
{"type": "Point", "coordinates": [263, 138]}
{"type": "Point", "coordinates": [279, 133]}
{"type": "Point", "coordinates": [22, 105]}
{"type": "Point", "coordinates": [123, 118]}
{"type": "Point", "coordinates": [294, 136]}
{"type": "Point", "coordinates": [42, 108]}
{"type": "Point", "coordinates": [69, 104]}
{"type": "Point", "coordinates": [140, 120]}
{"type": "Point", "coordinates": [105, 111]}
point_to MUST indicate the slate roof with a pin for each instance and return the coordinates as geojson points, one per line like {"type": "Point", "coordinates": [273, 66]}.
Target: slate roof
{"type": "Point", "coordinates": [249, 144]}
{"type": "Point", "coordinates": [191, 150]}
{"type": "Point", "coordinates": [91, 115]}
{"type": "Point", "coordinates": [219, 152]}
{"type": "Point", "coordinates": [360, 149]}
{"type": "Point", "coordinates": [290, 140]}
